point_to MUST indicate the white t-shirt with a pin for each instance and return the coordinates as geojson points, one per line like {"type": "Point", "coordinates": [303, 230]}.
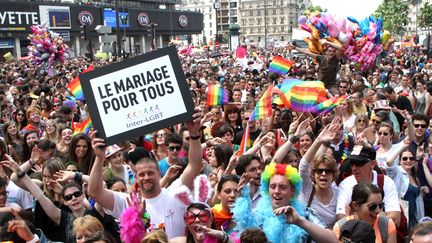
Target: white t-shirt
{"type": "Point", "coordinates": [348, 124]}
{"type": "Point", "coordinates": [391, 197]}
{"type": "Point", "coordinates": [325, 212]}
{"type": "Point", "coordinates": [164, 209]}
{"type": "Point", "coordinates": [381, 158]}
{"type": "Point", "coordinates": [19, 196]}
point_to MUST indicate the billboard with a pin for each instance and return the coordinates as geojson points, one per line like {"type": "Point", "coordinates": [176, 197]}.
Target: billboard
{"type": "Point", "coordinates": [110, 18]}
{"type": "Point", "coordinates": [56, 17]}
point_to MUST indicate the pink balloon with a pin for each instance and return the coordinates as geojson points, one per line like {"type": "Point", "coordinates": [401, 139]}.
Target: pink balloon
{"type": "Point", "coordinates": [333, 30]}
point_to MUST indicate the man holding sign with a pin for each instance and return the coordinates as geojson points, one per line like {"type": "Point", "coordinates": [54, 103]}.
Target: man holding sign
{"type": "Point", "coordinates": [164, 209]}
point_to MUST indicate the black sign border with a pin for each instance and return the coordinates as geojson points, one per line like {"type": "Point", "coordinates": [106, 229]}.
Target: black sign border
{"type": "Point", "coordinates": [179, 74]}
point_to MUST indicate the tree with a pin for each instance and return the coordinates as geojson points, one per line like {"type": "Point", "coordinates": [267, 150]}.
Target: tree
{"type": "Point", "coordinates": [424, 19]}
{"type": "Point", "coordinates": [313, 9]}
{"type": "Point", "coordinates": [394, 14]}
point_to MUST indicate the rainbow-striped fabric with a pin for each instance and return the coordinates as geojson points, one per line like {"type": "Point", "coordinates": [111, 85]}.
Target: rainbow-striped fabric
{"type": "Point", "coordinates": [75, 86]}
{"type": "Point", "coordinates": [216, 95]}
{"type": "Point", "coordinates": [280, 65]}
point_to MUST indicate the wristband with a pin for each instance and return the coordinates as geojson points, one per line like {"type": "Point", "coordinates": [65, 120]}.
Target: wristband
{"type": "Point", "coordinates": [294, 139]}
{"type": "Point", "coordinates": [31, 162]}
{"type": "Point", "coordinates": [195, 137]}
{"type": "Point", "coordinates": [327, 144]}
{"type": "Point", "coordinates": [78, 177]}
{"type": "Point", "coordinates": [34, 240]}
{"type": "Point", "coordinates": [20, 174]}
{"type": "Point", "coordinates": [225, 237]}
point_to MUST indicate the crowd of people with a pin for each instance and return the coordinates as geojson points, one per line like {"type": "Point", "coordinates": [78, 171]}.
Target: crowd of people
{"type": "Point", "coordinates": [358, 173]}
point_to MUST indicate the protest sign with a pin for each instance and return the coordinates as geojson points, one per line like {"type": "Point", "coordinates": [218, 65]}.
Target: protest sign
{"type": "Point", "coordinates": [137, 96]}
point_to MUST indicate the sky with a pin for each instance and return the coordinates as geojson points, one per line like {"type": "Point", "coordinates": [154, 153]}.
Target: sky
{"type": "Point", "coordinates": [355, 8]}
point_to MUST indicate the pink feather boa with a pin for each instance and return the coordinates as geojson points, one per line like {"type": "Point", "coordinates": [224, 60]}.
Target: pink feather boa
{"type": "Point", "coordinates": [132, 226]}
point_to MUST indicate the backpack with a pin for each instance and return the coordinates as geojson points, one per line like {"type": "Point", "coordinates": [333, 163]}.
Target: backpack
{"type": "Point", "coordinates": [382, 226]}
{"type": "Point", "coordinates": [402, 230]}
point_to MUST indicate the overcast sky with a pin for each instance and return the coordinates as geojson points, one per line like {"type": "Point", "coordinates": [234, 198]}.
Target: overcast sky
{"type": "Point", "coordinates": [356, 8]}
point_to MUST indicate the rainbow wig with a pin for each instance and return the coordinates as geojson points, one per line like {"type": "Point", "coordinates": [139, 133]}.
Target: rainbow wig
{"type": "Point", "coordinates": [288, 171]}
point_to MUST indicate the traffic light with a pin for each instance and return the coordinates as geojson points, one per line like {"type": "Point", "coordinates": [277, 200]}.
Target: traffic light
{"type": "Point", "coordinates": [84, 32]}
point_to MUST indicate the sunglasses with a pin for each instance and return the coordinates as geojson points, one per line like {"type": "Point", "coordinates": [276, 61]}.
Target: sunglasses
{"type": "Point", "coordinates": [20, 114]}
{"type": "Point", "coordinates": [190, 218]}
{"type": "Point", "coordinates": [361, 121]}
{"type": "Point", "coordinates": [407, 158]}
{"type": "Point", "coordinates": [75, 194]}
{"type": "Point", "coordinates": [372, 207]}
{"type": "Point", "coordinates": [343, 87]}
{"type": "Point", "coordinates": [57, 105]}
{"type": "Point", "coordinates": [420, 125]}
{"type": "Point", "coordinates": [160, 135]}
{"type": "Point", "coordinates": [320, 171]}
{"type": "Point", "coordinates": [376, 121]}
{"type": "Point", "coordinates": [383, 134]}
{"type": "Point", "coordinates": [172, 148]}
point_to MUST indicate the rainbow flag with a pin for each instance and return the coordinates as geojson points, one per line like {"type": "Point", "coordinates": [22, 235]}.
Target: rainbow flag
{"type": "Point", "coordinates": [216, 95]}
{"type": "Point", "coordinates": [280, 65]}
{"type": "Point", "coordinates": [246, 142]}
{"type": "Point", "coordinates": [328, 105]}
{"type": "Point", "coordinates": [263, 108]}
{"type": "Point", "coordinates": [83, 127]}
{"type": "Point", "coordinates": [75, 86]}
{"type": "Point", "coordinates": [301, 95]}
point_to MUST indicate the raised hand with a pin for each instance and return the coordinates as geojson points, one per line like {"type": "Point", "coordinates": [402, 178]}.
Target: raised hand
{"type": "Point", "coordinates": [64, 175]}
{"type": "Point", "coordinates": [98, 145]}
{"type": "Point", "coordinates": [291, 214]}
{"type": "Point", "coordinates": [195, 124]}
{"type": "Point", "coordinates": [302, 128]}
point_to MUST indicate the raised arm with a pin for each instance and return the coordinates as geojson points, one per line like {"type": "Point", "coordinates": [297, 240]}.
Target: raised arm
{"type": "Point", "coordinates": [101, 195]}
{"type": "Point", "coordinates": [411, 129]}
{"type": "Point", "coordinates": [195, 165]}
{"type": "Point", "coordinates": [302, 50]}
{"type": "Point", "coordinates": [300, 130]}
{"type": "Point", "coordinates": [426, 170]}
{"type": "Point", "coordinates": [51, 210]}
{"type": "Point", "coordinates": [428, 103]}
{"type": "Point", "coordinates": [391, 159]}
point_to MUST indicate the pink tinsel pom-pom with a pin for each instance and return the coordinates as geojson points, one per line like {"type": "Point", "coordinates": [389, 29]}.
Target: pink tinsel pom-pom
{"type": "Point", "coordinates": [132, 227]}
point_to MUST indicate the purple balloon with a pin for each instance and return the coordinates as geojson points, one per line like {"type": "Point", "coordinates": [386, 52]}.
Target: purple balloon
{"type": "Point", "coordinates": [301, 19]}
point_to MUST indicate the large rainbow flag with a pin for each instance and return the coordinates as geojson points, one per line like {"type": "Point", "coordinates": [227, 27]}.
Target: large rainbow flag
{"type": "Point", "coordinates": [301, 95]}
{"type": "Point", "coordinates": [216, 95]}
{"type": "Point", "coordinates": [75, 86]}
{"type": "Point", "coordinates": [280, 65]}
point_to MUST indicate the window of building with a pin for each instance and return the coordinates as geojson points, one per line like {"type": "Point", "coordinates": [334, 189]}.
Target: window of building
{"type": "Point", "coordinates": [259, 38]}
{"type": "Point", "coordinates": [210, 24]}
{"type": "Point", "coordinates": [281, 11]}
{"type": "Point", "coordinates": [274, 20]}
{"type": "Point", "coordinates": [251, 13]}
{"type": "Point", "coordinates": [282, 38]}
{"type": "Point", "coordinates": [282, 20]}
{"type": "Point", "coordinates": [274, 11]}
{"type": "Point", "coordinates": [258, 13]}
{"type": "Point", "coordinates": [233, 5]}
{"type": "Point", "coordinates": [233, 12]}
{"type": "Point", "coordinates": [234, 20]}
{"type": "Point", "coordinates": [282, 28]}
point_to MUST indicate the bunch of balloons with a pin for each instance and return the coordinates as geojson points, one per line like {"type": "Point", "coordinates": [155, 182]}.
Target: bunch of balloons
{"type": "Point", "coordinates": [362, 41]}
{"type": "Point", "coordinates": [46, 46]}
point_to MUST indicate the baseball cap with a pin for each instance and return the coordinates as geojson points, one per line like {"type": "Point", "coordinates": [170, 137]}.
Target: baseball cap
{"type": "Point", "coordinates": [357, 231]}
{"type": "Point", "coordinates": [361, 155]}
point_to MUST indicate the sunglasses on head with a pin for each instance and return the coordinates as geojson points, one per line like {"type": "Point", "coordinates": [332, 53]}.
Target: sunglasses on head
{"type": "Point", "coordinates": [320, 171]}
{"type": "Point", "coordinates": [372, 207]}
{"type": "Point", "coordinates": [190, 217]}
{"type": "Point", "coordinates": [75, 194]}
{"type": "Point", "coordinates": [420, 125]}
{"type": "Point", "coordinates": [172, 148]}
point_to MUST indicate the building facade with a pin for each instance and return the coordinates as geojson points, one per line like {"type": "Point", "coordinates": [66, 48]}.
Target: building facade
{"type": "Point", "coordinates": [16, 17]}
{"type": "Point", "coordinates": [269, 22]}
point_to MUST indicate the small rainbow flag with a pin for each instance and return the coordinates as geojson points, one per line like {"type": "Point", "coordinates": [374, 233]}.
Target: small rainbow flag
{"type": "Point", "coordinates": [75, 86]}
{"type": "Point", "coordinates": [263, 108]}
{"type": "Point", "coordinates": [83, 127]}
{"type": "Point", "coordinates": [280, 65]}
{"type": "Point", "coordinates": [216, 96]}
{"type": "Point", "coordinates": [246, 142]}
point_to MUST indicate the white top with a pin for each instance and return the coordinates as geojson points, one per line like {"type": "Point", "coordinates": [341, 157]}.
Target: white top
{"type": "Point", "coordinates": [382, 157]}
{"type": "Point", "coordinates": [163, 209]}
{"type": "Point", "coordinates": [19, 196]}
{"type": "Point", "coordinates": [327, 213]}
{"type": "Point", "coordinates": [401, 180]}
{"type": "Point", "coordinates": [391, 198]}
{"type": "Point", "coordinates": [348, 124]}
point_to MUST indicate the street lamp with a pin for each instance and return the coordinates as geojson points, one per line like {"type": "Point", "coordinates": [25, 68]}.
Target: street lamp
{"type": "Point", "coordinates": [117, 28]}
{"type": "Point", "coordinates": [265, 24]}
{"type": "Point", "coordinates": [216, 6]}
